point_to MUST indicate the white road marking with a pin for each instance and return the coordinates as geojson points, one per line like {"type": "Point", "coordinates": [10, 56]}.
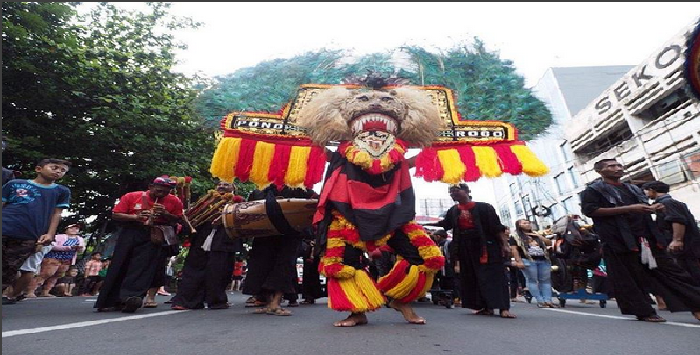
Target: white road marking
{"type": "Point", "coordinates": [83, 324]}
{"type": "Point", "coordinates": [617, 317]}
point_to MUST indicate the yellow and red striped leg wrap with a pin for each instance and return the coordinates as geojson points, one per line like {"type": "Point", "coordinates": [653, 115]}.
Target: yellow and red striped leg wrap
{"type": "Point", "coordinates": [348, 289]}
{"type": "Point", "coordinates": [406, 282]}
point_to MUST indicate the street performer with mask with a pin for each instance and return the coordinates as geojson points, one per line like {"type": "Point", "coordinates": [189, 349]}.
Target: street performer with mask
{"type": "Point", "coordinates": [147, 218]}
{"type": "Point", "coordinates": [367, 200]}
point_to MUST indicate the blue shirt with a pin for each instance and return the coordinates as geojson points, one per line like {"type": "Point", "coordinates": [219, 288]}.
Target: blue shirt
{"type": "Point", "coordinates": [29, 206]}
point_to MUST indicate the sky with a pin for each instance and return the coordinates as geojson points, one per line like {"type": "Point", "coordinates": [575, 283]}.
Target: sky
{"type": "Point", "coordinates": [535, 36]}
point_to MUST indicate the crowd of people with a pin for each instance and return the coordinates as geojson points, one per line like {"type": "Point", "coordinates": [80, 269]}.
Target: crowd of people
{"type": "Point", "coordinates": [486, 268]}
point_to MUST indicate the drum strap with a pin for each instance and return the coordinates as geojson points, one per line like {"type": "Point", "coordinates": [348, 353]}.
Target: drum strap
{"type": "Point", "coordinates": [276, 216]}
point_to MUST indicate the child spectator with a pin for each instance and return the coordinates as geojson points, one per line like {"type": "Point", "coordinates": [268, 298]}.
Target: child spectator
{"type": "Point", "coordinates": [31, 213]}
{"type": "Point", "coordinates": [57, 261]}
{"type": "Point", "coordinates": [92, 275]}
{"type": "Point", "coordinates": [66, 284]}
{"type": "Point", "coordinates": [102, 274]}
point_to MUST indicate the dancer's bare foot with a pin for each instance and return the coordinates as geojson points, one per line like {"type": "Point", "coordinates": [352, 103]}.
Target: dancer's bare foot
{"type": "Point", "coordinates": [352, 320]}
{"type": "Point", "coordinates": [407, 312]}
{"type": "Point", "coordinates": [696, 315]}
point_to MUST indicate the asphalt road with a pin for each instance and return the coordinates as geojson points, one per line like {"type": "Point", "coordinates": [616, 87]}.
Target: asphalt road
{"type": "Point", "coordinates": [71, 326]}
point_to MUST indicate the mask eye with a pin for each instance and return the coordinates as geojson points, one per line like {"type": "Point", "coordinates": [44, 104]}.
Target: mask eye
{"type": "Point", "coordinates": [387, 99]}
{"type": "Point", "coordinates": [363, 98]}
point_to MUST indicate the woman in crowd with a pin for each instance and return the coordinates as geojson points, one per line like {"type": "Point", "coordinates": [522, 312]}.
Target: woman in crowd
{"type": "Point", "coordinates": [531, 254]}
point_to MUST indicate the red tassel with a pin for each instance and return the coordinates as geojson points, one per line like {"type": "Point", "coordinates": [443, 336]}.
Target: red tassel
{"type": "Point", "coordinates": [395, 276]}
{"type": "Point", "coordinates": [339, 301]}
{"type": "Point", "coordinates": [278, 166]}
{"type": "Point", "coordinates": [507, 159]}
{"type": "Point", "coordinates": [317, 163]}
{"type": "Point", "coordinates": [435, 262]}
{"type": "Point", "coordinates": [467, 155]}
{"type": "Point", "coordinates": [428, 165]}
{"type": "Point", "coordinates": [420, 284]}
{"type": "Point", "coordinates": [245, 159]}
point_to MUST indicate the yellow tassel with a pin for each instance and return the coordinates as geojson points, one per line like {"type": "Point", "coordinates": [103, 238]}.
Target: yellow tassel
{"type": "Point", "coordinates": [353, 294]}
{"type": "Point", "coordinates": [429, 251]}
{"type": "Point", "coordinates": [296, 170]}
{"type": "Point", "coordinates": [487, 161]}
{"type": "Point", "coordinates": [225, 158]}
{"type": "Point", "coordinates": [429, 278]}
{"type": "Point", "coordinates": [373, 296]}
{"type": "Point", "coordinates": [452, 165]}
{"type": "Point", "coordinates": [532, 165]}
{"type": "Point", "coordinates": [262, 158]}
{"type": "Point", "coordinates": [406, 285]}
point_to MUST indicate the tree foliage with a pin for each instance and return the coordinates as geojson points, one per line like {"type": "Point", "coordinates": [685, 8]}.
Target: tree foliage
{"type": "Point", "coordinates": [101, 94]}
{"type": "Point", "coordinates": [487, 87]}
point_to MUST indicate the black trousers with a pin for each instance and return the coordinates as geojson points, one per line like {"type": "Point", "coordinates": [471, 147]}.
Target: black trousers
{"type": "Point", "coordinates": [205, 276]}
{"type": "Point", "coordinates": [482, 285]}
{"type": "Point", "coordinates": [311, 282]}
{"type": "Point", "coordinates": [692, 266]}
{"type": "Point", "coordinates": [631, 280]}
{"type": "Point", "coordinates": [272, 265]}
{"type": "Point", "coordinates": [134, 267]}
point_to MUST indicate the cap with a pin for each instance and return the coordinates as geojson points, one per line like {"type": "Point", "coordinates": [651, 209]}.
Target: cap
{"type": "Point", "coordinates": [165, 181]}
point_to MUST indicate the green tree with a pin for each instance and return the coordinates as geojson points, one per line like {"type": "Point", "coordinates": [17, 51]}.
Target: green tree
{"type": "Point", "coordinates": [486, 87]}
{"type": "Point", "coordinates": [101, 94]}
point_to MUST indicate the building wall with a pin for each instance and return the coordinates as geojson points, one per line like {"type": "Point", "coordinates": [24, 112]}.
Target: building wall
{"type": "Point", "coordinates": [649, 122]}
{"type": "Point", "coordinates": [564, 91]}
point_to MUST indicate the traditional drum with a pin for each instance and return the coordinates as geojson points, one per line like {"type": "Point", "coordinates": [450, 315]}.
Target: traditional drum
{"type": "Point", "coordinates": [261, 219]}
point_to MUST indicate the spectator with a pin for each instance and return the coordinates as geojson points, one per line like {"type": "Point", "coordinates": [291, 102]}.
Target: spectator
{"type": "Point", "coordinates": [57, 261]}
{"type": "Point", "coordinates": [66, 284]}
{"type": "Point", "coordinates": [532, 256]}
{"type": "Point", "coordinates": [237, 276]}
{"type": "Point", "coordinates": [30, 216]}
{"type": "Point", "coordinates": [92, 275]}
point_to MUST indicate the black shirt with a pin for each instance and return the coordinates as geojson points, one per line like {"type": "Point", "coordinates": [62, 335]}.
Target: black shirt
{"type": "Point", "coordinates": [635, 220]}
{"type": "Point", "coordinates": [678, 212]}
{"type": "Point", "coordinates": [610, 228]}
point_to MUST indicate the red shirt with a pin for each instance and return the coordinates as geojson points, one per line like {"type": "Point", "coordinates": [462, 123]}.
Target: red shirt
{"type": "Point", "coordinates": [238, 269]}
{"type": "Point", "coordinates": [132, 203]}
{"type": "Point", "coordinates": [465, 217]}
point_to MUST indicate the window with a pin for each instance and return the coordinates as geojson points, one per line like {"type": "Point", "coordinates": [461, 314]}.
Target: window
{"type": "Point", "coordinates": [664, 105]}
{"type": "Point", "coordinates": [506, 219]}
{"type": "Point", "coordinates": [571, 207]}
{"type": "Point", "coordinates": [567, 203]}
{"type": "Point", "coordinates": [566, 152]}
{"type": "Point", "coordinates": [574, 176]}
{"type": "Point", "coordinates": [671, 172]}
{"type": "Point", "coordinates": [513, 190]}
{"type": "Point", "coordinates": [561, 184]}
{"type": "Point", "coordinates": [519, 208]}
{"type": "Point", "coordinates": [557, 211]}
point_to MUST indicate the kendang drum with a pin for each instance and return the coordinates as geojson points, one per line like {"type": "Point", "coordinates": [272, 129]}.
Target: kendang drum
{"type": "Point", "coordinates": [289, 216]}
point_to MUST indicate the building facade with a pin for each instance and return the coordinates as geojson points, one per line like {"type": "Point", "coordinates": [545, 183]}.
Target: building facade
{"type": "Point", "coordinates": [647, 120]}
{"type": "Point", "coordinates": [565, 91]}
